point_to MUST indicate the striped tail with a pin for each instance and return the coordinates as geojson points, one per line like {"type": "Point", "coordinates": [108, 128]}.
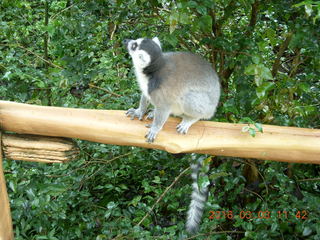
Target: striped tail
{"type": "Point", "coordinates": [198, 201]}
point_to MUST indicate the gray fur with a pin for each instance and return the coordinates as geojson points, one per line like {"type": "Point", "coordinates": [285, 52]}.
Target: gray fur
{"type": "Point", "coordinates": [198, 200]}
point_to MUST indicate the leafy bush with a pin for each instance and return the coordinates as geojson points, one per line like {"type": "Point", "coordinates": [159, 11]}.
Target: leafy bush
{"type": "Point", "coordinates": [69, 53]}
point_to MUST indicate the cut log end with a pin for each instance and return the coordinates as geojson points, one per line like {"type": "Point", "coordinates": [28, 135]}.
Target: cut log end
{"type": "Point", "coordinates": [38, 148]}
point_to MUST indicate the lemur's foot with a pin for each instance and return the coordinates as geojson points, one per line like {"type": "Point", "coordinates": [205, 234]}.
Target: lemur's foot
{"type": "Point", "coordinates": [135, 113]}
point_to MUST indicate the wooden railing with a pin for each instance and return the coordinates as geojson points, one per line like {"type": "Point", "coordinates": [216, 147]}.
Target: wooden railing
{"type": "Point", "coordinates": [287, 144]}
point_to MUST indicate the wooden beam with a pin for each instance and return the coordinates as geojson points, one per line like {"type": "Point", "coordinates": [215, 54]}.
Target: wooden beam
{"type": "Point", "coordinates": [6, 232]}
{"type": "Point", "coordinates": [38, 148]}
{"type": "Point", "coordinates": [288, 144]}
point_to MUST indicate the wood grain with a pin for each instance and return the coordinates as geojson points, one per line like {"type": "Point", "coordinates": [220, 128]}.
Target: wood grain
{"type": "Point", "coordinates": [36, 148]}
{"type": "Point", "coordinates": [288, 144]}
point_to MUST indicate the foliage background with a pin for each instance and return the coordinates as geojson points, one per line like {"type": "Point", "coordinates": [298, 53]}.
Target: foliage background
{"type": "Point", "coordinates": [69, 53]}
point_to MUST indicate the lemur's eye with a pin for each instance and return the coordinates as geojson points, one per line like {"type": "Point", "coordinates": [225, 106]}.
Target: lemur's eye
{"type": "Point", "coordinates": [134, 46]}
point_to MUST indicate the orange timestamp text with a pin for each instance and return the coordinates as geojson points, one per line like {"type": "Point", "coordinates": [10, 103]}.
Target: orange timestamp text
{"type": "Point", "coordinates": [244, 214]}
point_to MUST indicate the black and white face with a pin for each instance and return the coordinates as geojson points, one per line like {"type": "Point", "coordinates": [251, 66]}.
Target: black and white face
{"type": "Point", "coordinates": [143, 50]}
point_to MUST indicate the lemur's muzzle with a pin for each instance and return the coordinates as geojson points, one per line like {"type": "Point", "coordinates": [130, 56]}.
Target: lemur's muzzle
{"type": "Point", "coordinates": [126, 42]}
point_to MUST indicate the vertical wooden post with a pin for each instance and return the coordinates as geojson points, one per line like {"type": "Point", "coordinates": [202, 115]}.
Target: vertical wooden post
{"type": "Point", "coordinates": [6, 232]}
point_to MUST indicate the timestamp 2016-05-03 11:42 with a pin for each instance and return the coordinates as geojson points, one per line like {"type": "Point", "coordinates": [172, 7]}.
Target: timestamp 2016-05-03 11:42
{"type": "Point", "coordinates": [245, 214]}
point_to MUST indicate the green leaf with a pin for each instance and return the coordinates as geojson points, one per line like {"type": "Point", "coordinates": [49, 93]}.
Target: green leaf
{"type": "Point", "coordinates": [250, 70]}
{"type": "Point", "coordinates": [274, 227]}
{"type": "Point", "coordinates": [135, 200]}
{"type": "Point", "coordinates": [184, 18]}
{"type": "Point", "coordinates": [245, 129]}
{"type": "Point", "coordinates": [214, 176]}
{"type": "Point", "coordinates": [53, 189]}
{"type": "Point", "coordinates": [256, 59]}
{"type": "Point", "coordinates": [271, 34]}
{"type": "Point", "coordinates": [308, 9]}
{"type": "Point", "coordinates": [7, 75]}
{"type": "Point", "coordinates": [305, 87]}
{"type": "Point", "coordinates": [172, 39]}
{"type": "Point", "coordinates": [156, 180]}
{"type": "Point", "coordinates": [173, 21]}
{"type": "Point", "coordinates": [259, 127]}
{"type": "Point", "coordinates": [252, 132]}
{"type": "Point", "coordinates": [265, 72]}
{"type": "Point", "coordinates": [111, 205]}
{"type": "Point", "coordinates": [259, 71]}
{"type": "Point", "coordinates": [205, 23]}
{"type": "Point", "coordinates": [317, 16]}
{"type": "Point", "coordinates": [306, 231]}
{"type": "Point", "coordinates": [258, 80]}
{"type": "Point", "coordinates": [264, 89]}
{"type": "Point", "coordinates": [203, 181]}
{"type": "Point", "coordinates": [246, 120]}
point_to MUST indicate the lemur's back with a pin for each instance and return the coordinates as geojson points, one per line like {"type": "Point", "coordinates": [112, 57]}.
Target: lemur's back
{"type": "Point", "coordinates": [187, 70]}
{"type": "Point", "coordinates": [183, 73]}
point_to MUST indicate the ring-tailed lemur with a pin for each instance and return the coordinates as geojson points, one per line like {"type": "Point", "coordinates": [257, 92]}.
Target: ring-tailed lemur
{"type": "Point", "coordinates": [178, 83]}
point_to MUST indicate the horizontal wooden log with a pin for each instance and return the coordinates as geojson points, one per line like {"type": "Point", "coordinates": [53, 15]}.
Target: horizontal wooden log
{"type": "Point", "coordinates": [38, 148]}
{"type": "Point", "coordinates": [288, 144]}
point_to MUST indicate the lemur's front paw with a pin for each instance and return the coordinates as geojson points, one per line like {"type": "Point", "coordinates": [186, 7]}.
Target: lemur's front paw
{"type": "Point", "coordinates": [135, 113]}
{"type": "Point", "coordinates": [151, 135]}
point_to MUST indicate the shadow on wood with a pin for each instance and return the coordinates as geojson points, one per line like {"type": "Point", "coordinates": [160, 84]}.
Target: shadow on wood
{"type": "Point", "coordinates": [277, 143]}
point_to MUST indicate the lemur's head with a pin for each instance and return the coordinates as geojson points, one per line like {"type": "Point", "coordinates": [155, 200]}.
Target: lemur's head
{"type": "Point", "coordinates": [144, 51]}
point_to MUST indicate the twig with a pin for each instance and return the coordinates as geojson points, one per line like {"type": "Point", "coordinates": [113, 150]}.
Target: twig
{"type": "Point", "coordinates": [109, 161]}
{"type": "Point", "coordinates": [113, 31]}
{"type": "Point", "coordinates": [118, 237]}
{"type": "Point", "coordinates": [246, 189]}
{"type": "Point", "coordinates": [163, 194]}
{"type": "Point", "coordinates": [87, 164]}
{"type": "Point", "coordinates": [1, 65]}
{"type": "Point", "coordinates": [33, 53]}
{"type": "Point", "coordinates": [308, 179]}
{"type": "Point", "coordinates": [103, 89]}
{"type": "Point", "coordinates": [54, 16]}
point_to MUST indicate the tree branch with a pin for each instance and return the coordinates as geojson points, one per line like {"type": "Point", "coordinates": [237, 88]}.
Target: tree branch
{"type": "Point", "coordinates": [295, 63]}
{"type": "Point", "coordinates": [253, 19]}
{"type": "Point", "coordinates": [226, 73]}
{"type": "Point", "coordinates": [46, 35]}
{"type": "Point", "coordinates": [227, 13]}
{"type": "Point", "coordinates": [282, 49]}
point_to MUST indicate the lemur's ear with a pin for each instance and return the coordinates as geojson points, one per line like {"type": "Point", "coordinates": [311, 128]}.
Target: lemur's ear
{"type": "Point", "coordinates": [157, 41]}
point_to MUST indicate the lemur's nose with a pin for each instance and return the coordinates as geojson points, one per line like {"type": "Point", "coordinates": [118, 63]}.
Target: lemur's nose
{"type": "Point", "coordinates": [125, 42]}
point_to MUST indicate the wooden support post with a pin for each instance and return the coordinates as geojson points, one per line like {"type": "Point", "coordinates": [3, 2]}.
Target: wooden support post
{"type": "Point", "coordinates": [6, 232]}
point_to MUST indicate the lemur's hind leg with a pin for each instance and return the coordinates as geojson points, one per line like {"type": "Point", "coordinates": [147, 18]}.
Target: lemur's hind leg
{"type": "Point", "coordinates": [185, 124]}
